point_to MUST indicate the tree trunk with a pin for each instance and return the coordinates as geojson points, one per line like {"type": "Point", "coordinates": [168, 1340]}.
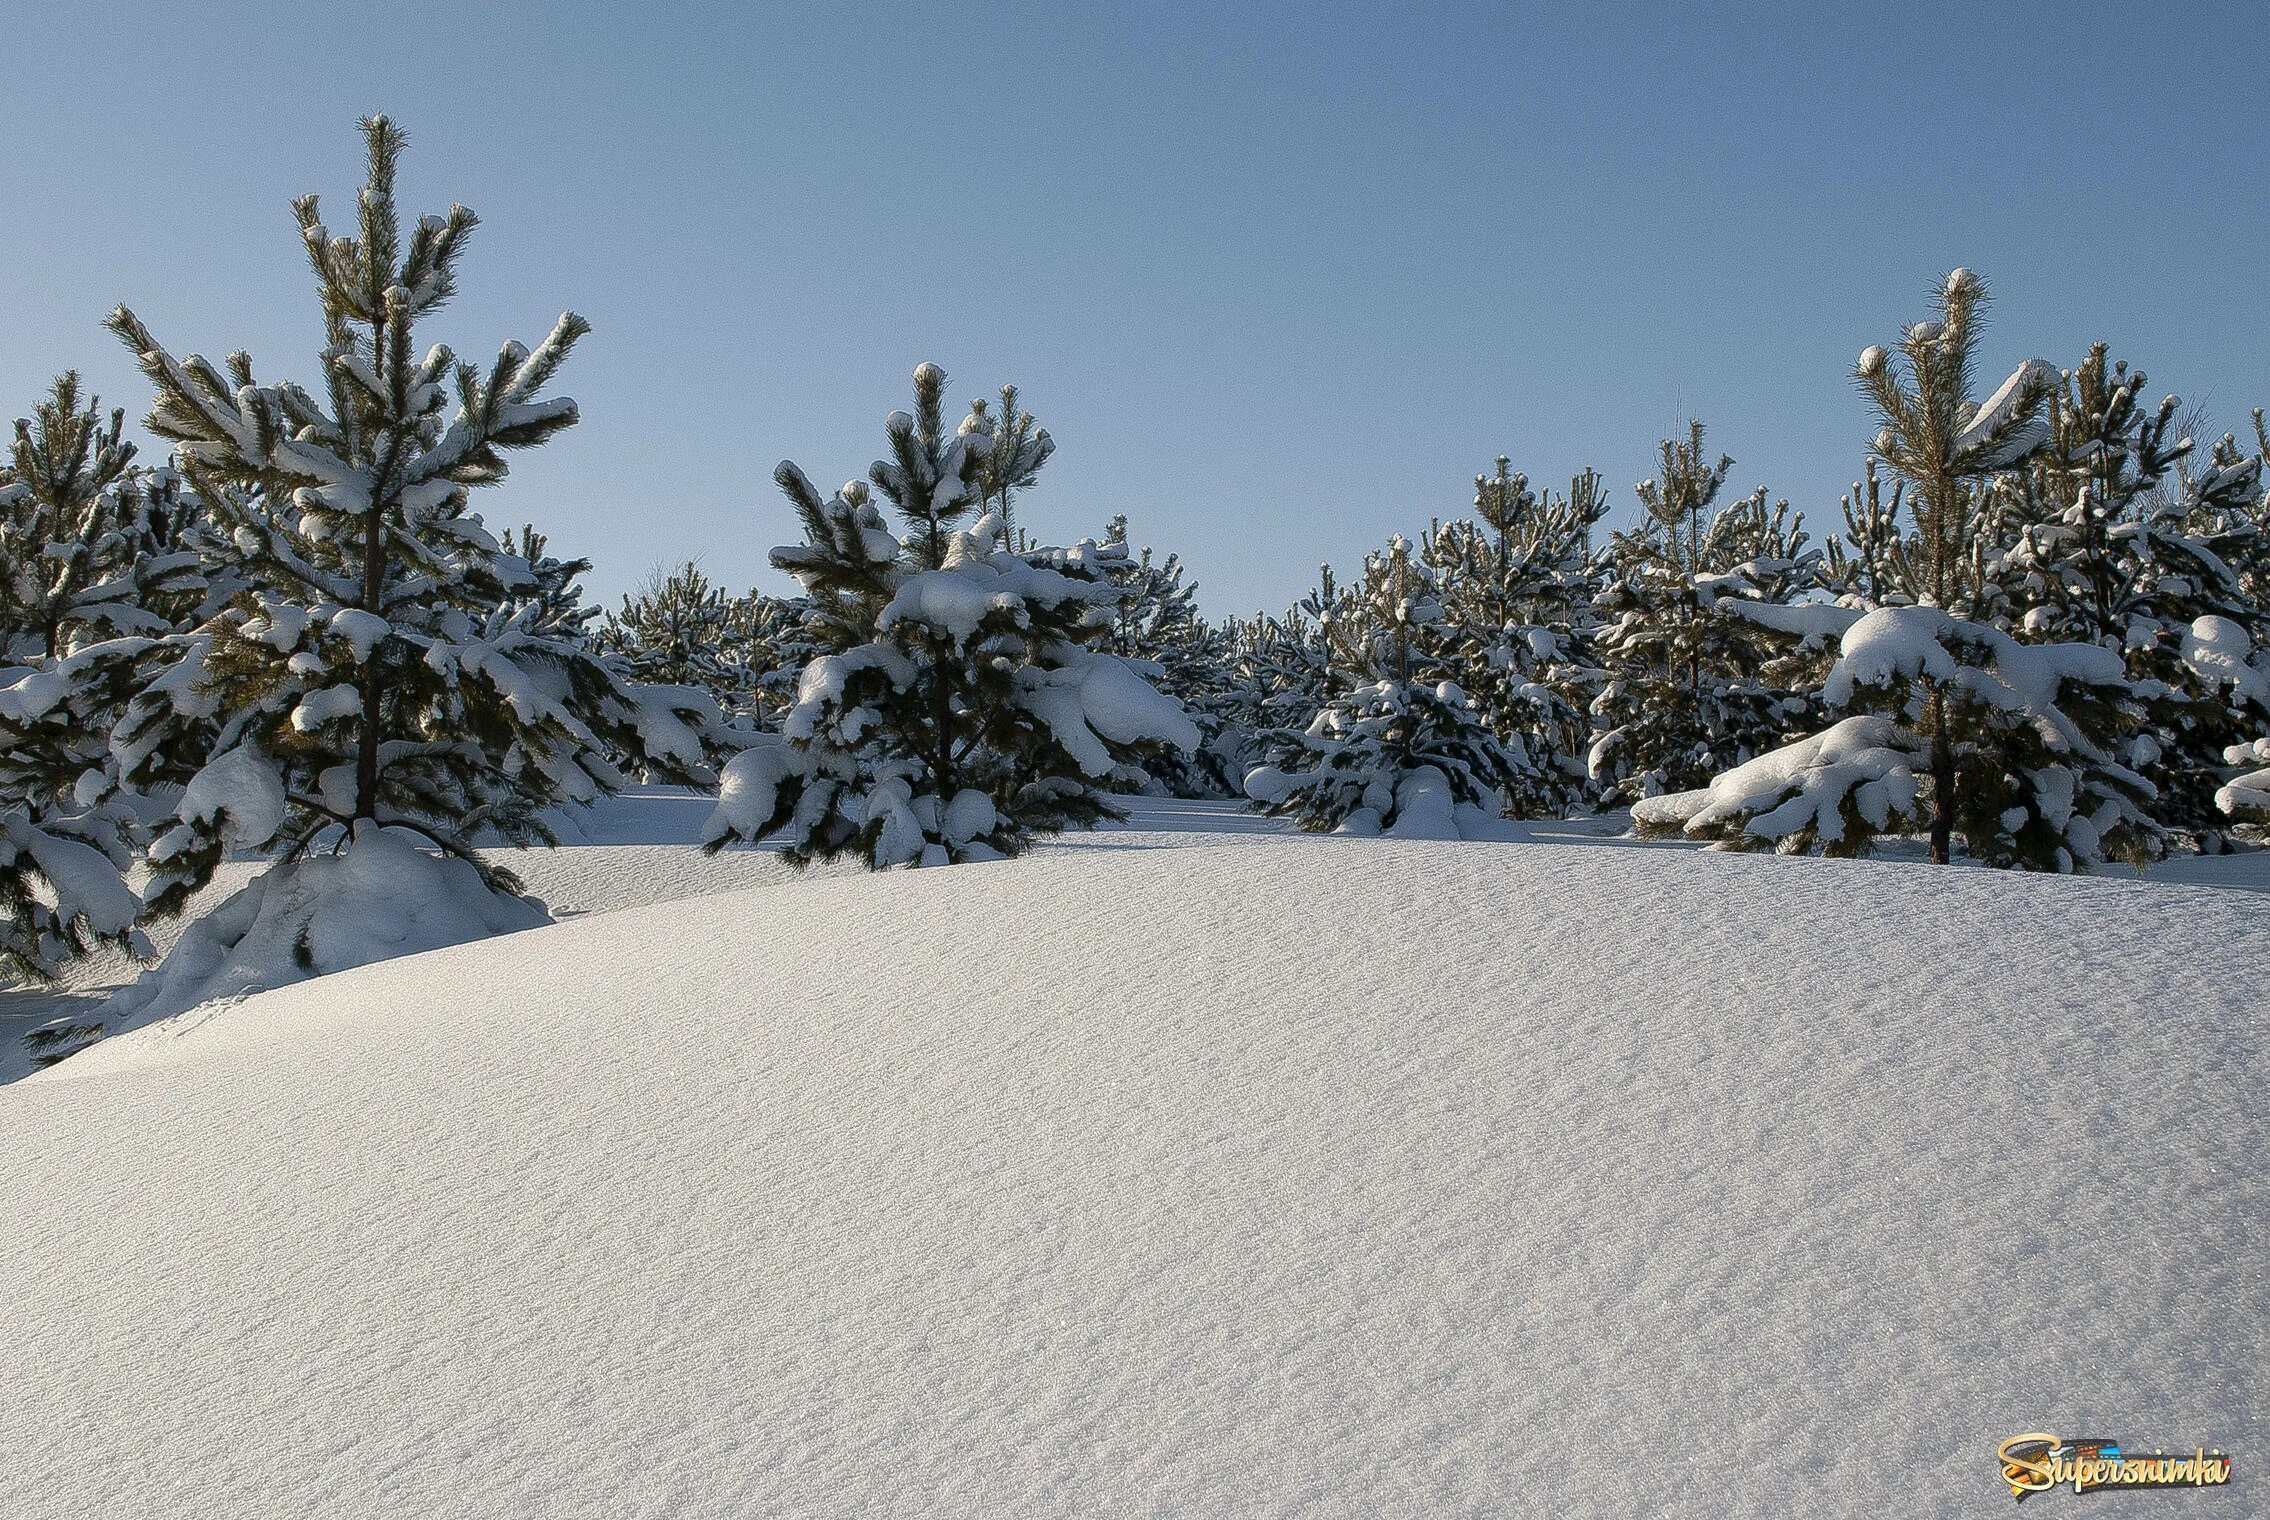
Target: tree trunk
{"type": "Point", "coordinates": [1942, 786]}
{"type": "Point", "coordinates": [366, 748]}
{"type": "Point", "coordinates": [941, 723]}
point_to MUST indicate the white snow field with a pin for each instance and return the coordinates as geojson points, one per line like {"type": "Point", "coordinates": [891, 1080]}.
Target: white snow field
{"type": "Point", "coordinates": [1172, 1173]}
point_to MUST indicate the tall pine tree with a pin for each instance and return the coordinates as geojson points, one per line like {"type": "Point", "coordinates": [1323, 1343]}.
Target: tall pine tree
{"type": "Point", "coordinates": [382, 674]}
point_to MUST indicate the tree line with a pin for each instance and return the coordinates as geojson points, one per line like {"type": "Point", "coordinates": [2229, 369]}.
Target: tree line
{"type": "Point", "coordinates": [2035, 639]}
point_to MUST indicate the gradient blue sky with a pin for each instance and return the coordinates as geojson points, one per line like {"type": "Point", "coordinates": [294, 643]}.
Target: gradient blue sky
{"type": "Point", "coordinates": [1280, 280]}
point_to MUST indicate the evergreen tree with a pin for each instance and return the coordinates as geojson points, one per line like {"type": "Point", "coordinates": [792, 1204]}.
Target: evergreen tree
{"type": "Point", "coordinates": [680, 630]}
{"type": "Point", "coordinates": [1689, 691]}
{"type": "Point", "coordinates": [775, 639]}
{"type": "Point", "coordinates": [1401, 749]}
{"type": "Point", "coordinates": [2101, 552]}
{"type": "Point", "coordinates": [1956, 725]}
{"type": "Point", "coordinates": [91, 568]}
{"type": "Point", "coordinates": [1950, 450]}
{"type": "Point", "coordinates": [1276, 674]}
{"type": "Point", "coordinates": [1157, 625]}
{"type": "Point", "coordinates": [962, 704]}
{"type": "Point", "coordinates": [89, 547]}
{"type": "Point", "coordinates": [2032, 730]}
{"type": "Point", "coordinates": [384, 666]}
{"type": "Point", "coordinates": [1516, 592]}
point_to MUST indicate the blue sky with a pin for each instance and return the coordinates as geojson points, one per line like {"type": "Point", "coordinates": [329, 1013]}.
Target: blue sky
{"type": "Point", "coordinates": [1279, 279]}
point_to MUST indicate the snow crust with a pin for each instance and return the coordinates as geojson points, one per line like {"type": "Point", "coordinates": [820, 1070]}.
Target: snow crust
{"type": "Point", "coordinates": [1377, 1177]}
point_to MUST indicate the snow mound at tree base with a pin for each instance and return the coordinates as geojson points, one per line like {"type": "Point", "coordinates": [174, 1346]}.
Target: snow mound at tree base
{"type": "Point", "coordinates": [381, 898]}
{"type": "Point", "coordinates": [1270, 1176]}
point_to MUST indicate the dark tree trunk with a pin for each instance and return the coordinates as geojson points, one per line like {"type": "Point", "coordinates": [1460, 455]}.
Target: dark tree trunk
{"type": "Point", "coordinates": [1942, 786]}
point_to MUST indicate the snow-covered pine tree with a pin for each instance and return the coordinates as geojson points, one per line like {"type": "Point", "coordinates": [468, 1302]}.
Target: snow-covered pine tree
{"type": "Point", "coordinates": [1949, 449]}
{"type": "Point", "coordinates": [1689, 691]}
{"type": "Point", "coordinates": [2031, 734]}
{"type": "Point", "coordinates": [2103, 552]}
{"type": "Point", "coordinates": [1276, 674]}
{"type": "Point", "coordinates": [1954, 726]}
{"type": "Point", "coordinates": [1016, 448]}
{"type": "Point", "coordinates": [92, 567]}
{"type": "Point", "coordinates": [962, 704]}
{"type": "Point", "coordinates": [1157, 625]}
{"type": "Point", "coordinates": [1400, 750]}
{"type": "Point", "coordinates": [88, 550]}
{"type": "Point", "coordinates": [774, 639]}
{"type": "Point", "coordinates": [376, 683]}
{"type": "Point", "coordinates": [1516, 593]}
{"type": "Point", "coordinates": [678, 629]}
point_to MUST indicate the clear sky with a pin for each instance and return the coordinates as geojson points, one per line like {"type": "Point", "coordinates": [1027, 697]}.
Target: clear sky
{"type": "Point", "coordinates": [1279, 280]}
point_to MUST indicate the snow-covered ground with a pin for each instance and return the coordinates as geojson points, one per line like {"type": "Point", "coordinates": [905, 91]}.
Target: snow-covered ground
{"type": "Point", "coordinates": [1197, 1168]}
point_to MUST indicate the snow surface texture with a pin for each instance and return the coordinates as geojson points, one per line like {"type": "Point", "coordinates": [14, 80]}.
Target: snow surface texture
{"type": "Point", "coordinates": [1350, 1177]}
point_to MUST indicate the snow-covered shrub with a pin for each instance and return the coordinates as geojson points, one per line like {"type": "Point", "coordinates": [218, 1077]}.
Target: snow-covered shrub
{"type": "Point", "coordinates": [1407, 759]}
{"type": "Point", "coordinates": [2015, 743]}
{"type": "Point", "coordinates": [1832, 792]}
{"type": "Point", "coordinates": [961, 703]}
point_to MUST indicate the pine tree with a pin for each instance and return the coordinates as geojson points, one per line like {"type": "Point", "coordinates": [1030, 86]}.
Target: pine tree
{"type": "Point", "coordinates": [962, 704]}
{"type": "Point", "coordinates": [1516, 591]}
{"type": "Point", "coordinates": [774, 637]}
{"type": "Point", "coordinates": [1157, 625]}
{"type": "Point", "coordinates": [2101, 552]}
{"type": "Point", "coordinates": [1400, 749]}
{"type": "Point", "coordinates": [1949, 449]}
{"type": "Point", "coordinates": [87, 548]}
{"type": "Point", "coordinates": [1016, 448]}
{"type": "Point", "coordinates": [680, 630]}
{"type": "Point", "coordinates": [1276, 674]}
{"type": "Point", "coordinates": [2031, 729]}
{"type": "Point", "coordinates": [92, 567]}
{"type": "Point", "coordinates": [382, 668]}
{"type": "Point", "coordinates": [1689, 690]}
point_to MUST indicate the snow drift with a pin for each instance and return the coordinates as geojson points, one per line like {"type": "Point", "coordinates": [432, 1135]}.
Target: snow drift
{"type": "Point", "coordinates": [1270, 1176]}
